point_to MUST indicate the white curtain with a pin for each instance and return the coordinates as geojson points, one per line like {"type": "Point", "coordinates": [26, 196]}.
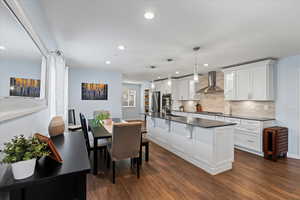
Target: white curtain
{"type": "Point", "coordinates": [58, 86]}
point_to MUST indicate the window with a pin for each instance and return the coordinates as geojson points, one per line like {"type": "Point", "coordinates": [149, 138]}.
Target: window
{"type": "Point", "coordinates": [129, 98]}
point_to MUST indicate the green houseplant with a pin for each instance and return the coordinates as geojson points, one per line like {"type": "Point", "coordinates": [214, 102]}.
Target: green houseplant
{"type": "Point", "coordinates": [99, 119]}
{"type": "Point", "coordinates": [22, 153]}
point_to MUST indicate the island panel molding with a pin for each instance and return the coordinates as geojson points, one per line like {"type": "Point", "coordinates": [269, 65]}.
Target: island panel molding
{"type": "Point", "coordinates": [211, 149]}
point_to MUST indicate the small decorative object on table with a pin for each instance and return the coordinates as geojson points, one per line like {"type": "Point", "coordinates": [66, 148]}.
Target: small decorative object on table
{"type": "Point", "coordinates": [54, 154]}
{"type": "Point", "coordinates": [101, 119]}
{"type": "Point", "coordinates": [22, 154]}
{"type": "Point", "coordinates": [56, 126]}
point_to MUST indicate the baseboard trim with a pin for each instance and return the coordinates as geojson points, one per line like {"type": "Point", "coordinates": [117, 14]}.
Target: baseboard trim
{"type": "Point", "coordinates": [294, 156]}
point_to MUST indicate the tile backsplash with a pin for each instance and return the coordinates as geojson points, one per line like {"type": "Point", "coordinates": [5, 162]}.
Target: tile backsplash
{"type": "Point", "coordinates": [217, 103]}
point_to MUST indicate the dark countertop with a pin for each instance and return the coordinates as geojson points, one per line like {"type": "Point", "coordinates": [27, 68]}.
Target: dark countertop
{"type": "Point", "coordinates": [203, 123]}
{"type": "Point", "coordinates": [72, 149]}
{"type": "Point", "coordinates": [230, 116]}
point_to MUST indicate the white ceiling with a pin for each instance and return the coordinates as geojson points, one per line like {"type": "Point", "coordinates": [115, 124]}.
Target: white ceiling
{"type": "Point", "coordinates": [229, 32]}
{"type": "Point", "coordinates": [15, 39]}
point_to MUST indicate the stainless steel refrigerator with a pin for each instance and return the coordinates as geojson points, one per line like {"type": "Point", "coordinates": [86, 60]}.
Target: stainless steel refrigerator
{"type": "Point", "coordinates": [155, 102]}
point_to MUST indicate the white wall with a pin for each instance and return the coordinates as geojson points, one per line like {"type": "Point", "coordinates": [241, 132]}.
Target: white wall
{"type": "Point", "coordinates": [288, 100]}
{"type": "Point", "coordinates": [18, 69]}
{"type": "Point", "coordinates": [87, 107]}
{"type": "Point", "coordinates": [133, 112]}
{"type": "Point", "coordinates": [36, 122]}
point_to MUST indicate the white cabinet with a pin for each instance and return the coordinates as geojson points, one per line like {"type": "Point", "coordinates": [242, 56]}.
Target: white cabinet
{"type": "Point", "coordinates": [253, 81]}
{"type": "Point", "coordinates": [262, 83]}
{"type": "Point", "coordinates": [175, 89]}
{"type": "Point", "coordinates": [163, 87]}
{"type": "Point", "coordinates": [248, 134]}
{"type": "Point", "coordinates": [182, 89]}
{"type": "Point", "coordinates": [185, 89]}
{"type": "Point", "coordinates": [157, 86]}
{"type": "Point", "coordinates": [229, 85]}
{"type": "Point", "coordinates": [243, 84]}
{"type": "Point", "coordinates": [208, 148]}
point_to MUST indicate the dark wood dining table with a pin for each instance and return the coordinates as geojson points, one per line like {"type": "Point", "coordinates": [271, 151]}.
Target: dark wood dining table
{"type": "Point", "coordinates": [52, 180]}
{"type": "Point", "coordinates": [100, 132]}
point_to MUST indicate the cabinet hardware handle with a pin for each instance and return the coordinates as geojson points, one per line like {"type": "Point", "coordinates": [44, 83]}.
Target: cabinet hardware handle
{"type": "Point", "coordinates": [250, 141]}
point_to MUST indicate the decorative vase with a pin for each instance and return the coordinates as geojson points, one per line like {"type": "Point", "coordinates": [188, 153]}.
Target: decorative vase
{"type": "Point", "coordinates": [56, 126]}
{"type": "Point", "coordinates": [23, 169]}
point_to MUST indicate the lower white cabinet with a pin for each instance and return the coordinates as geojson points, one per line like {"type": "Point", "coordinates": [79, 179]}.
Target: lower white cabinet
{"type": "Point", "coordinates": [247, 140]}
{"type": "Point", "coordinates": [248, 135]}
{"type": "Point", "coordinates": [179, 137]}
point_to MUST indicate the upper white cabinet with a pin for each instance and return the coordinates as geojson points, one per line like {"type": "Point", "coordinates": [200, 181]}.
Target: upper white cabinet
{"type": "Point", "coordinates": [229, 85]}
{"type": "Point", "coordinates": [163, 87]}
{"type": "Point", "coordinates": [185, 89]}
{"type": "Point", "coordinates": [243, 84]}
{"type": "Point", "coordinates": [253, 81]}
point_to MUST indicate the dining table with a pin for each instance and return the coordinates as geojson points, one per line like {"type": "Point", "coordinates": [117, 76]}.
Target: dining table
{"type": "Point", "coordinates": [101, 132]}
{"type": "Point", "coordinates": [53, 180]}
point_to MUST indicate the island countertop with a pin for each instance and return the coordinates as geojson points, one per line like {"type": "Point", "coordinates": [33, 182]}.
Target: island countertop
{"type": "Point", "coordinates": [203, 123]}
{"type": "Point", "coordinates": [228, 115]}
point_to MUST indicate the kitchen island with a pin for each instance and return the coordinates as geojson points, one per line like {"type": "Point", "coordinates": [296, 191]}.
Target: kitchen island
{"type": "Point", "coordinates": [208, 144]}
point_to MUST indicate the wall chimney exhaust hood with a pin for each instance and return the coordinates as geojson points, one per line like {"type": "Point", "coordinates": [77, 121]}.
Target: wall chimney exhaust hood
{"type": "Point", "coordinates": [212, 84]}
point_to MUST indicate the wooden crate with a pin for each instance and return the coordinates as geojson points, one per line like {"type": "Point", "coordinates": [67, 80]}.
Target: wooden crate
{"type": "Point", "coordinates": [275, 142]}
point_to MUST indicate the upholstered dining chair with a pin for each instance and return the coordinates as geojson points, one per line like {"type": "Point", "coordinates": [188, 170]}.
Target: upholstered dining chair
{"type": "Point", "coordinates": [145, 141]}
{"type": "Point", "coordinates": [72, 121]}
{"type": "Point", "coordinates": [126, 142]}
{"type": "Point", "coordinates": [89, 140]}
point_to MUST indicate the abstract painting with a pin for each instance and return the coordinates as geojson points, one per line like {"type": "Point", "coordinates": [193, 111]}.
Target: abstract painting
{"type": "Point", "coordinates": [24, 87]}
{"type": "Point", "coordinates": [93, 91]}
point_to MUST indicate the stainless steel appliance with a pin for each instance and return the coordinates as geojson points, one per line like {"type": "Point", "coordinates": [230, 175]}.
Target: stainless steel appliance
{"type": "Point", "coordinates": [166, 103]}
{"type": "Point", "coordinates": [155, 104]}
{"type": "Point", "coordinates": [212, 84]}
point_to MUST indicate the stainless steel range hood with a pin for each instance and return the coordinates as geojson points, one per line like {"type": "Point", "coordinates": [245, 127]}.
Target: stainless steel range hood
{"type": "Point", "coordinates": [212, 84]}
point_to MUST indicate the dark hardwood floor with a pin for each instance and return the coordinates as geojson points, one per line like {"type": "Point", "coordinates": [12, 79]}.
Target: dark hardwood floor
{"type": "Point", "coordinates": [169, 177]}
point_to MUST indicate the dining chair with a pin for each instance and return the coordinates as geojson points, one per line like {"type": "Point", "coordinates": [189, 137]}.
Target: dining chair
{"type": "Point", "coordinates": [89, 140]}
{"type": "Point", "coordinates": [72, 126]}
{"type": "Point", "coordinates": [126, 142]}
{"type": "Point", "coordinates": [145, 141]}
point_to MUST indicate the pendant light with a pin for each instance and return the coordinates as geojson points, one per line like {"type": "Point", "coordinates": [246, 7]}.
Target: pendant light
{"type": "Point", "coordinates": [169, 81]}
{"type": "Point", "coordinates": [152, 85]}
{"type": "Point", "coordinates": [196, 76]}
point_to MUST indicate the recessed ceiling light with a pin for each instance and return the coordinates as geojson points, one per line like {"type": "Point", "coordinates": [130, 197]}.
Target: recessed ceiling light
{"type": "Point", "coordinates": [205, 65]}
{"type": "Point", "coordinates": [121, 47]}
{"type": "Point", "coordinates": [177, 72]}
{"type": "Point", "coordinates": [107, 62]}
{"type": "Point", "coordinates": [2, 48]}
{"type": "Point", "coordinates": [149, 15]}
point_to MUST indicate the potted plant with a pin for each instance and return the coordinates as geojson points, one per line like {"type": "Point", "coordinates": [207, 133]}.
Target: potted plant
{"type": "Point", "coordinates": [101, 118]}
{"type": "Point", "coordinates": [22, 154]}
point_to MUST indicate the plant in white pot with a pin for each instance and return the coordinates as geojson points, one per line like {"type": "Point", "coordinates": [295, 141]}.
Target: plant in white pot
{"type": "Point", "coordinates": [22, 154]}
{"type": "Point", "coordinates": [101, 119]}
